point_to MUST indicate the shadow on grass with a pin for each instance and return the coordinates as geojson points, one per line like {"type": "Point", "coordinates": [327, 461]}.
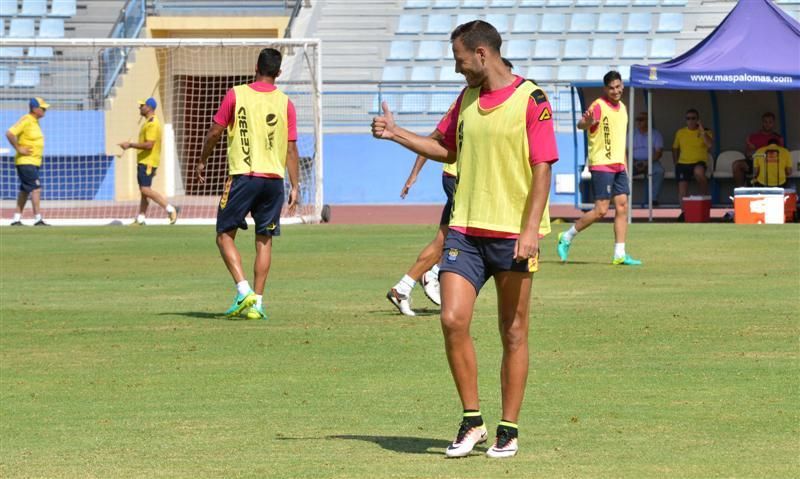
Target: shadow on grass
{"type": "Point", "coordinates": [571, 262]}
{"type": "Point", "coordinates": [417, 311]}
{"type": "Point", "coordinates": [405, 444]}
{"type": "Point", "coordinates": [195, 314]}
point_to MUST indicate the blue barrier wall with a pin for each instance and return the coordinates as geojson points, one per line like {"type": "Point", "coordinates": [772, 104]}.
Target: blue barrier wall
{"type": "Point", "coordinates": [65, 178]}
{"type": "Point", "coordinates": [65, 132]}
{"type": "Point", "coordinates": [362, 170]}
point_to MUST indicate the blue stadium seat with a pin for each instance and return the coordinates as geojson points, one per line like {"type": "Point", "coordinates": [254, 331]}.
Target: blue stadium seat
{"type": "Point", "coordinates": [51, 28]}
{"type": "Point", "coordinates": [673, 3]}
{"type": "Point", "coordinates": [26, 77]}
{"type": "Point", "coordinates": [587, 3]}
{"type": "Point", "coordinates": [21, 28]}
{"type": "Point", "coordinates": [393, 73]}
{"type": "Point", "coordinates": [645, 3]}
{"type": "Point", "coordinates": [547, 49]}
{"type": "Point", "coordinates": [392, 99]}
{"type": "Point", "coordinates": [553, 23]}
{"type": "Point", "coordinates": [662, 48]}
{"type": "Point", "coordinates": [618, 3]}
{"type": "Point", "coordinates": [8, 8]}
{"type": "Point", "coordinates": [531, 3]}
{"type": "Point", "coordinates": [473, 4]}
{"type": "Point", "coordinates": [401, 50]}
{"type": "Point", "coordinates": [518, 49]}
{"type": "Point", "coordinates": [609, 23]}
{"type": "Point", "coordinates": [418, 3]}
{"type": "Point", "coordinates": [63, 8]}
{"type": "Point", "coordinates": [409, 23]}
{"type": "Point", "coordinates": [440, 102]}
{"type": "Point", "coordinates": [604, 48]}
{"type": "Point", "coordinates": [576, 48]}
{"type": "Point", "coordinates": [639, 22]}
{"type": "Point", "coordinates": [596, 72]}
{"type": "Point", "coordinates": [448, 74]}
{"type": "Point", "coordinates": [5, 76]}
{"type": "Point", "coordinates": [430, 50]}
{"type": "Point", "coordinates": [439, 23]}
{"type": "Point", "coordinates": [540, 73]}
{"type": "Point", "coordinates": [498, 21]}
{"type": "Point", "coordinates": [524, 23]}
{"type": "Point", "coordinates": [624, 71]}
{"type": "Point", "coordinates": [559, 3]}
{"type": "Point", "coordinates": [40, 52]}
{"type": "Point", "coordinates": [670, 22]}
{"type": "Point", "coordinates": [423, 73]}
{"type": "Point", "coordinates": [414, 103]}
{"type": "Point", "coordinates": [445, 3]}
{"type": "Point", "coordinates": [11, 52]}
{"type": "Point", "coordinates": [2, 27]}
{"type": "Point", "coordinates": [34, 8]}
{"type": "Point", "coordinates": [634, 48]}
{"type": "Point", "coordinates": [502, 3]}
{"type": "Point", "coordinates": [463, 18]}
{"type": "Point", "coordinates": [582, 22]}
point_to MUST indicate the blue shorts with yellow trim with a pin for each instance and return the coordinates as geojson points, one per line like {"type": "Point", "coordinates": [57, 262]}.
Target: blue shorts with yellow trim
{"type": "Point", "coordinates": [261, 197]}
{"type": "Point", "coordinates": [28, 178]}
{"type": "Point", "coordinates": [449, 187]}
{"type": "Point", "coordinates": [477, 259]}
{"type": "Point", "coordinates": [145, 174]}
{"type": "Point", "coordinates": [606, 185]}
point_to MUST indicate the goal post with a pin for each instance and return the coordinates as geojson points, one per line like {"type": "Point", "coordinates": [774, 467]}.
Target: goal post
{"type": "Point", "coordinates": [93, 86]}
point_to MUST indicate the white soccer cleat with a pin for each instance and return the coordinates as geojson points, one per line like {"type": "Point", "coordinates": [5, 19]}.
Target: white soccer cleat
{"type": "Point", "coordinates": [430, 284]}
{"type": "Point", "coordinates": [504, 446]}
{"type": "Point", "coordinates": [402, 303]}
{"type": "Point", "coordinates": [466, 440]}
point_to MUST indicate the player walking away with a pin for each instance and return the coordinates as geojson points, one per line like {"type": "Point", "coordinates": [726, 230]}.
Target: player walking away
{"type": "Point", "coordinates": [262, 146]}
{"type": "Point", "coordinates": [148, 157]}
{"type": "Point", "coordinates": [501, 134]}
{"type": "Point", "coordinates": [607, 123]}
{"type": "Point", "coordinates": [28, 141]}
{"type": "Point", "coordinates": [426, 268]}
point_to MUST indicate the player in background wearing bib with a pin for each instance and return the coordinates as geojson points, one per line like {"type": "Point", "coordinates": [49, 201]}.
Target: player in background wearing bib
{"type": "Point", "coordinates": [606, 123]}
{"type": "Point", "coordinates": [147, 160]}
{"type": "Point", "coordinates": [262, 147]}
{"type": "Point", "coordinates": [501, 136]}
{"type": "Point", "coordinates": [426, 268]}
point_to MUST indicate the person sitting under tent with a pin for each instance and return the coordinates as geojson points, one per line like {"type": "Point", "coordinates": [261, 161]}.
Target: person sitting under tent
{"type": "Point", "coordinates": [772, 165]}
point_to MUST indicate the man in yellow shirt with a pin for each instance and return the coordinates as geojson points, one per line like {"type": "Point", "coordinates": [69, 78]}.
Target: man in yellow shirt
{"type": "Point", "coordinates": [28, 141]}
{"type": "Point", "coordinates": [690, 149]}
{"type": "Point", "coordinates": [772, 164]}
{"type": "Point", "coordinates": [147, 160]}
{"type": "Point", "coordinates": [606, 124]}
{"type": "Point", "coordinates": [501, 136]}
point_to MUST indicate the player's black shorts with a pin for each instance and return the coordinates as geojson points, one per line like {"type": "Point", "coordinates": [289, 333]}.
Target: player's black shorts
{"type": "Point", "coordinates": [145, 174]}
{"type": "Point", "coordinates": [28, 178]}
{"type": "Point", "coordinates": [261, 197]}
{"type": "Point", "coordinates": [477, 258]}
{"type": "Point", "coordinates": [685, 171]}
{"type": "Point", "coordinates": [449, 187]}
{"type": "Point", "coordinates": [606, 185]}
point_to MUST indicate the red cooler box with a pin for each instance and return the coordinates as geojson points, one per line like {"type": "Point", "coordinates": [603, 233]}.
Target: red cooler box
{"type": "Point", "coordinates": [696, 209]}
{"type": "Point", "coordinates": [758, 205]}
{"type": "Point", "coordinates": [789, 204]}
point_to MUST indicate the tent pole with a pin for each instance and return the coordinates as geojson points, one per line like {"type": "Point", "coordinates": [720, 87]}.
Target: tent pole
{"type": "Point", "coordinates": [630, 160]}
{"type": "Point", "coordinates": [650, 154]}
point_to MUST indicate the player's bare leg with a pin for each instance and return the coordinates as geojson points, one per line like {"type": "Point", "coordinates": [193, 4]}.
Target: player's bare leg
{"type": "Point", "coordinates": [594, 215]}
{"type": "Point", "coordinates": [700, 177]}
{"type": "Point", "coordinates": [36, 200]}
{"type": "Point", "coordinates": [620, 218]}
{"type": "Point", "coordinates": [22, 198]}
{"type": "Point", "coordinates": [400, 294]}
{"type": "Point", "coordinates": [226, 242]}
{"type": "Point", "coordinates": [458, 301]}
{"type": "Point", "coordinates": [513, 303]}
{"type": "Point", "coordinates": [143, 204]}
{"type": "Point", "coordinates": [154, 195]}
{"type": "Point", "coordinates": [430, 254]}
{"type": "Point", "coordinates": [262, 262]}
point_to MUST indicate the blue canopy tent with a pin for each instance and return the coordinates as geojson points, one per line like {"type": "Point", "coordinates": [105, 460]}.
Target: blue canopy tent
{"type": "Point", "coordinates": [756, 48]}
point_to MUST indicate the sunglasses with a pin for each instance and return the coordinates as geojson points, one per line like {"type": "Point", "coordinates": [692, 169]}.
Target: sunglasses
{"type": "Point", "coordinates": [691, 117]}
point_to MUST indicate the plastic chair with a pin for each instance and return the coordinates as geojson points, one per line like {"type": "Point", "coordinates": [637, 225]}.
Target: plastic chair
{"type": "Point", "coordinates": [547, 49]}
{"type": "Point", "coordinates": [498, 21]}
{"type": "Point", "coordinates": [634, 48]}
{"type": "Point", "coordinates": [473, 4]}
{"type": "Point", "coordinates": [518, 49]}
{"type": "Point", "coordinates": [531, 3]}
{"type": "Point", "coordinates": [430, 50]}
{"type": "Point", "coordinates": [582, 23]}
{"type": "Point", "coordinates": [26, 77]}
{"type": "Point", "coordinates": [401, 50]}
{"type": "Point", "coordinates": [63, 8]}
{"type": "Point", "coordinates": [8, 8]}
{"type": "Point", "coordinates": [662, 48]}
{"type": "Point", "coordinates": [576, 48]}
{"type": "Point", "coordinates": [670, 22]}
{"type": "Point", "coordinates": [448, 74]}
{"type": "Point", "coordinates": [393, 73]}
{"type": "Point", "coordinates": [439, 23]}
{"type": "Point", "coordinates": [569, 72]}
{"type": "Point", "coordinates": [445, 3]}
{"type": "Point", "coordinates": [540, 73]}
{"type": "Point", "coordinates": [604, 48]}
{"type": "Point", "coordinates": [417, 4]}
{"type": "Point", "coordinates": [596, 72]}
{"type": "Point", "coordinates": [553, 23]}
{"type": "Point", "coordinates": [21, 28]}
{"type": "Point", "coordinates": [724, 164]}
{"type": "Point", "coordinates": [40, 52]}
{"type": "Point", "coordinates": [502, 3]}
{"type": "Point", "coordinates": [524, 23]}
{"type": "Point", "coordinates": [609, 23]}
{"type": "Point", "coordinates": [34, 8]}
{"type": "Point", "coordinates": [51, 28]}
{"type": "Point", "coordinates": [409, 23]}
{"type": "Point", "coordinates": [5, 76]}
{"type": "Point", "coordinates": [11, 52]}
{"type": "Point", "coordinates": [423, 73]}
{"type": "Point", "coordinates": [639, 23]}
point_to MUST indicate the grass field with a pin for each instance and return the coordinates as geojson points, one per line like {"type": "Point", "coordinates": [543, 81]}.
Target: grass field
{"type": "Point", "coordinates": [115, 364]}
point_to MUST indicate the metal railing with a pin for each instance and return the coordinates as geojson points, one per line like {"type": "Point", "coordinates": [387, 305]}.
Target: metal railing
{"type": "Point", "coordinates": [129, 24]}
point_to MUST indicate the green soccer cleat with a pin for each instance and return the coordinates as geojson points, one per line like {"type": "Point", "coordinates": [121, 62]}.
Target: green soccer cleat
{"type": "Point", "coordinates": [256, 312]}
{"type": "Point", "coordinates": [563, 248]}
{"type": "Point", "coordinates": [626, 261]}
{"type": "Point", "coordinates": [240, 303]}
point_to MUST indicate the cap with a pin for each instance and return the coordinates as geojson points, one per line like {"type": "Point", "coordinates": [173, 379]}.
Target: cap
{"type": "Point", "coordinates": [151, 102]}
{"type": "Point", "coordinates": [38, 102]}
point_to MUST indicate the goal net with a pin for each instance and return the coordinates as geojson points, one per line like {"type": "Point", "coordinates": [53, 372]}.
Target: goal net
{"type": "Point", "coordinates": [93, 87]}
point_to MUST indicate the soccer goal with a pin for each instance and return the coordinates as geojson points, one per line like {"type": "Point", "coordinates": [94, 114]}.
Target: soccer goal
{"type": "Point", "coordinates": [93, 86]}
